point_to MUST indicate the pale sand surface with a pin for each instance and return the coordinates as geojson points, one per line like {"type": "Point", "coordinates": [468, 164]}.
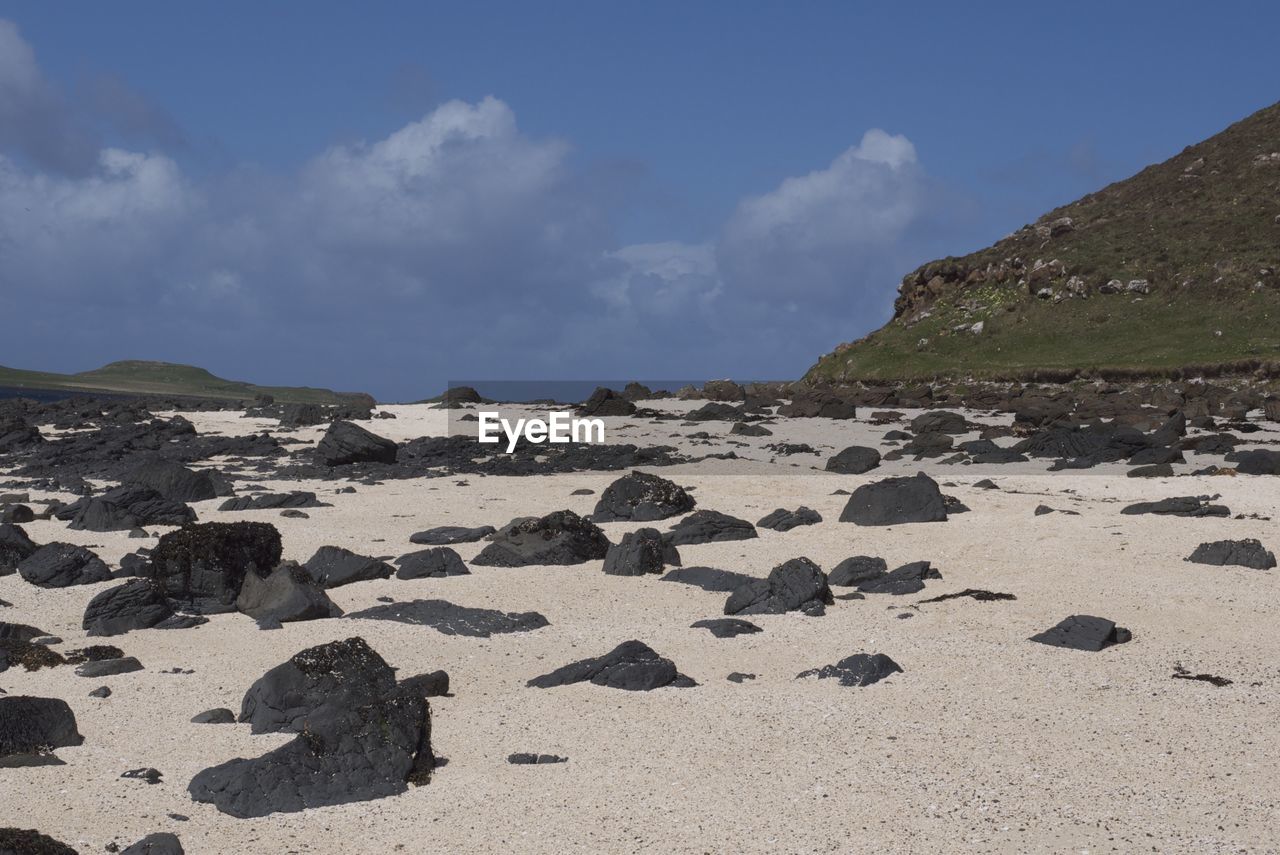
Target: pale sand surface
{"type": "Point", "coordinates": [986, 742]}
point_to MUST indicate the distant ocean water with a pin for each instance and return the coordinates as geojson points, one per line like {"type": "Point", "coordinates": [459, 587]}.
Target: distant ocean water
{"type": "Point", "coordinates": [516, 391]}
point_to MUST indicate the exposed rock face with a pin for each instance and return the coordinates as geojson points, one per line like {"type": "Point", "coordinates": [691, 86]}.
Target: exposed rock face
{"type": "Point", "coordinates": [160, 843]}
{"type": "Point", "coordinates": [894, 501]}
{"type": "Point", "coordinates": [709, 527]}
{"type": "Point", "coordinates": [860, 669]}
{"type": "Point", "coordinates": [434, 563]}
{"type": "Point", "coordinates": [1179, 506]}
{"type": "Point", "coordinates": [1083, 632]}
{"type": "Point", "coordinates": [723, 390]}
{"type": "Point", "coordinates": [561, 537]}
{"type": "Point", "coordinates": [137, 604]}
{"type": "Point", "coordinates": [632, 666]}
{"type": "Point", "coordinates": [125, 507]}
{"type": "Point", "coordinates": [814, 403]}
{"type": "Point", "coordinates": [31, 728]}
{"type": "Point", "coordinates": [640, 552]}
{"type": "Point", "coordinates": [1243, 553]}
{"type": "Point", "coordinates": [727, 627]}
{"type": "Point", "coordinates": [202, 566]}
{"type": "Point", "coordinates": [907, 579]}
{"type": "Point", "coordinates": [641, 497]}
{"type": "Point", "coordinates": [785, 520]}
{"type": "Point", "coordinates": [60, 565]}
{"type": "Point", "coordinates": [795, 585]}
{"type": "Point", "coordinates": [345, 443]}
{"type": "Point", "coordinates": [333, 566]}
{"type": "Point", "coordinates": [272, 501]}
{"type": "Point", "coordinates": [452, 619]}
{"type": "Point", "coordinates": [173, 481]}
{"type": "Point", "coordinates": [14, 547]}
{"type": "Point", "coordinates": [856, 570]}
{"type": "Point", "coordinates": [447, 535]}
{"type": "Point", "coordinates": [287, 594]}
{"type": "Point", "coordinates": [709, 578]}
{"type": "Point", "coordinates": [28, 841]}
{"type": "Point", "coordinates": [606, 402]}
{"type": "Point", "coordinates": [854, 460]}
{"type": "Point", "coordinates": [939, 421]}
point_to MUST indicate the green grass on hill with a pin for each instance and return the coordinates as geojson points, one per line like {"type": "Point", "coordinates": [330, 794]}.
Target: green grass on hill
{"type": "Point", "coordinates": [137, 377]}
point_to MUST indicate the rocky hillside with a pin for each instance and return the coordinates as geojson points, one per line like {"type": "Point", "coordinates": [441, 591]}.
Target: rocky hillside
{"type": "Point", "coordinates": [1174, 268]}
{"type": "Point", "coordinates": [138, 377]}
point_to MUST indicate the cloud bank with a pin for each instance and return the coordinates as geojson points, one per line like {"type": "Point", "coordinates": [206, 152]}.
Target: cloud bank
{"type": "Point", "coordinates": [457, 246]}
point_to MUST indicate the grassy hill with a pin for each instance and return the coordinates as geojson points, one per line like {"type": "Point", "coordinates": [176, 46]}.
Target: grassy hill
{"type": "Point", "coordinates": [1176, 267]}
{"type": "Point", "coordinates": [136, 377]}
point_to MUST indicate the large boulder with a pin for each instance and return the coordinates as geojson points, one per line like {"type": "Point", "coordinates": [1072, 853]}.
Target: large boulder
{"type": "Point", "coordinates": [137, 604]}
{"type": "Point", "coordinates": [561, 537]}
{"type": "Point", "coordinates": [641, 497]}
{"type": "Point", "coordinates": [31, 728]}
{"type": "Point", "coordinates": [606, 402]}
{"type": "Point", "coordinates": [1243, 553]}
{"type": "Point", "coordinates": [345, 443]}
{"type": "Point", "coordinates": [709, 527]}
{"type": "Point", "coordinates": [14, 547]}
{"type": "Point", "coordinates": [795, 585]}
{"type": "Point", "coordinates": [723, 390]}
{"type": "Point", "coordinates": [60, 565]}
{"type": "Point", "coordinates": [335, 676]}
{"type": "Point", "coordinates": [287, 594]}
{"type": "Point", "coordinates": [173, 481]}
{"type": "Point", "coordinates": [1260, 461]}
{"type": "Point", "coordinates": [893, 501]}
{"type": "Point", "coordinates": [437, 562]}
{"type": "Point", "coordinates": [939, 421]}
{"type": "Point", "coordinates": [640, 552]}
{"type": "Point", "coordinates": [632, 665]}
{"type": "Point", "coordinates": [126, 507]}
{"type": "Point", "coordinates": [333, 566]}
{"type": "Point", "coordinates": [715, 412]}
{"type": "Point", "coordinates": [28, 841]}
{"type": "Point", "coordinates": [202, 566]}
{"type": "Point", "coordinates": [854, 460]}
{"type": "Point", "coordinates": [823, 404]}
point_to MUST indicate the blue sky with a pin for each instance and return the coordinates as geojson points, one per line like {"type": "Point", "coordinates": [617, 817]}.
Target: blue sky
{"type": "Point", "coordinates": [390, 196]}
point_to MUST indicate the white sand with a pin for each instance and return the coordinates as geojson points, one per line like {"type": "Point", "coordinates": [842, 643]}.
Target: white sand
{"type": "Point", "coordinates": [986, 742]}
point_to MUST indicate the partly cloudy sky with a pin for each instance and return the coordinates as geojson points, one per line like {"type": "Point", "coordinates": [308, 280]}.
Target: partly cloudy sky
{"type": "Point", "coordinates": [279, 212]}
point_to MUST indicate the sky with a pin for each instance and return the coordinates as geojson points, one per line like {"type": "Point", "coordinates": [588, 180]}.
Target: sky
{"type": "Point", "coordinates": [388, 196]}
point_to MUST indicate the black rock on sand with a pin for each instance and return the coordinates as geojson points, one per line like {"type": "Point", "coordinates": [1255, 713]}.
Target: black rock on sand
{"type": "Point", "coordinates": [561, 537]}
{"type": "Point", "coordinates": [860, 669]}
{"type": "Point", "coordinates": [893, 501]}
{"type": "Point", "coordinates": [1084, 632]}
{"type": "Point", "coordinates": [632, 665]}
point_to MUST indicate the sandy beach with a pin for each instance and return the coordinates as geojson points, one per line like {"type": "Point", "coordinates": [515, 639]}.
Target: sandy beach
{"type": "Point", "coordinates": [986, 742]}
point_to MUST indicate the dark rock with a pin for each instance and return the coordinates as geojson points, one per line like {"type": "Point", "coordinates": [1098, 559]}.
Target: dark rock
{"type": "Point", "coordinates": [32, 728]}
{"type": "Point", "coordinates": [854, 460]}
{"type": "Point", "coordinates": [1155, 470]}
{"type": "Point", "coordinates": [893, 501]}
{"type": "Point", "coordinates": [333, 566]}
{"type": "Point", "coordinates": [726, 627]}
{"type": "Point", "coordinates": [1179, 506]}
{"type": "Point", "coordinates": [1256, 462]}
{"type": "Point", "coordinates": [907, 579]}
{"type": "Point", "coordinates": [1243, 553]}
{"type": "Point", "coordinates": [818, 404]}
{"type": "Point", "coordinates": [126, 507]}
{"type": "Point", "coordinates": [14, 547]}
{"type": "Point", "coordinates": [1041, 510]}
{"type": "Point", "coordinates": [791, 586]}
{"type": "Point", "coordinates": [640, 552]}
{"type": "Point", "coordinates": [288, 594]}
{"type": "Point", "coordinates": [202, 566]}
{"type": "Point", "coordinates": [641, 497]}
{"type": "Point", "coordinates": [739, 677]}
{"type": "Point", "coordinates": [434, 563]}
{"type": "Point", "coordinates": [939, 421]}
{"type": "Point", "coordinates": [94, 653]}
{"type": "Point", "coordinates": [100, 692]}
{"type": "Point", "coordinates": [522, 759]}
{"type": "Point", "coordinates": [151, 776]}
{"type": "Point", "coordinates": [744, 429]}
{"type": "Point", "coordinates": [561, 537]}
{"type": "Point", "coordinates": [20, 631]}
{"type": "Point", "coordinates": [217, 715]}
{"type": "Point", "coordinates": [452, 619]}
{"type": "Point", "coordinates": [109, 667]}
{"type": "Point", "coordinates": [160, 843]}
{"type": "Point", "coordinates": [272, 501]}
{"type": "Point", "coordinates": [137, 604]}
{"type": "Point", "coordinates": [856, 570]}
{"type": "Point", "coordinates": [785, 520]}
{"type": "Point", "coordinates": [1156, 456]}
{"type": "Point", "coordinates": [60, 565]}
{"type": "Point", "coordinates": [447, 535]}
{"type": "Point", "coordinates": [860, 669]}
{"type": "Point", "coordinates": [632, 666]}
{"type": "Point", "coordinates": [16, 514]}
{"type": "Point", "coordinates": [715, 412]}
{"type": "Point", "coordinates": [1083, 632]}
{"type": "Point", "coordinates": [345, 443]}
{"type": "Point", "coordinates": [27, 841]}
{"type": "Point", "coordinates": [173, 481]}
{"type": "Point", "coordinates": [709, 578]}
{"type": "Point", "coordinates": [182, 622]}
{"type": "Point", "coordinates": [606, 402]}
{"type": "Point", "coordinates": [709, 527]}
